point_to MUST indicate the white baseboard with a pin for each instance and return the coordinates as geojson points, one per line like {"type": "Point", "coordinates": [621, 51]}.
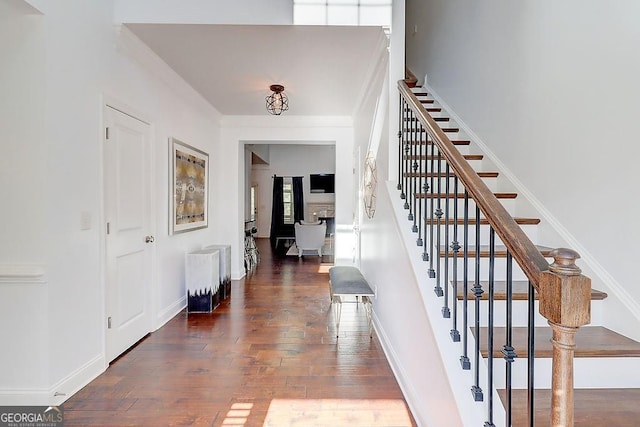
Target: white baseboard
{"type": "Point", "coordinates": [73, 382]}
{"type": "Point", "coordinates": [59, 392]}
{"type": "Point", "coordinates": [170, 312]}
{"type": "Point", "coordinates": [409, 393]}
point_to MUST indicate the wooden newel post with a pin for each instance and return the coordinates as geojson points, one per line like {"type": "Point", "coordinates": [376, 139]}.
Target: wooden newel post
{"type": "Point", "coordinates": [565, 301]}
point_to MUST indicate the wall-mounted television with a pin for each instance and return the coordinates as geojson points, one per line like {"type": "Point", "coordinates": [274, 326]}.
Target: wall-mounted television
{"type": "Point", "coordinates": [322, 183]}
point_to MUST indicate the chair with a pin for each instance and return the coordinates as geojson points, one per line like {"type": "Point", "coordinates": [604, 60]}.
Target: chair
{"type": "Point", "coordinates": [310, 237]}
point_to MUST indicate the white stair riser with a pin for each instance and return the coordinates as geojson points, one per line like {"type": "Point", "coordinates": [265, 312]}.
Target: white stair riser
{"type": "Point", "coordinates": [519, 312]}
{"type": "Point", "coordinates": [589, 372]}
{"type": "Point", "coordinates": [530, 230]}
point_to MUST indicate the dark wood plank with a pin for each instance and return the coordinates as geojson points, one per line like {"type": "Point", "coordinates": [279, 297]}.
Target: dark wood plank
{"type": "Point", "coordinates": [520, 290]}
{"type": "Point", "coordinates": [499, 251]}
{"type": "Point", "coordinates": [270, 345]}
{"type": "Point", "coordinates": [593, 407]}
{"type": "Point", "coordinates": [460, 196]}
{"type": "Point", "coordinates": [591, 341]}
{"type": "Point", "coordinates": [443, 175]}
{"type": "Point", "coordinates": [423, 157]}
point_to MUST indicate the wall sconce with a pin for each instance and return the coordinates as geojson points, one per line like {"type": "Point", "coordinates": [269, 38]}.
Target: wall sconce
{"type": "Point", "coordinates": [277, 102]}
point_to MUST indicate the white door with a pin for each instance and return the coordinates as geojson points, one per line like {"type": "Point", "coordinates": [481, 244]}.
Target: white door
{"type": "Point", "coordinates": [128, 237]}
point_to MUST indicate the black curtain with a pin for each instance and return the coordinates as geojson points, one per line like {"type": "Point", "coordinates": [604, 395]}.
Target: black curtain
{"type": "Point", "coordinates": [277, 210]}
{"type": "Point", "coordinates": [298, 199]}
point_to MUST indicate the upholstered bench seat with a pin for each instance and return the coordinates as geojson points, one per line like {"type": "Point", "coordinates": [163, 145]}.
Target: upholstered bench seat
{"type": "Point", "coordinates": [348, 281]}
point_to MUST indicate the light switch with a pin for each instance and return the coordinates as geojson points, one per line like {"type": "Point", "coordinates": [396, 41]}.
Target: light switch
{"type": "Point", "coordinates": [85, 220]}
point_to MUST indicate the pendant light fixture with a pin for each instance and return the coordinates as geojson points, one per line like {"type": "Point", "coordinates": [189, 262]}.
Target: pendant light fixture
{"type": "Point", "coordinates": [277, 102]}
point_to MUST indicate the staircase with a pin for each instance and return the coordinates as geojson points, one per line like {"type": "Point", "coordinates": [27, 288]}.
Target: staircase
{"type": "Point", "coordinates": [606, 375]}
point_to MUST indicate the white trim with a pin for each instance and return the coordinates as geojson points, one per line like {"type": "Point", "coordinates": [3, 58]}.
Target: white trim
{"type": "Point", "coordinates": [32, 274]}
{"type": "Point", "coordinates": [170, 312]}
{"type": "Point", "coordinates": [72, 383]}
{"type": "Point", "coordinates": [380, 65]}
{"type": "Point", "coordinates": [60, 391]}
{"type": "Point", "coordinates": [26, 7]}
{"type": "Point", "coordinates": [285, 122]}
{"type": "Point", "coordinates": [409, 393]}
{"type": "Point", "coordinates": [616, 288]}
{"type": "Point", "coordinates": [130, 45]}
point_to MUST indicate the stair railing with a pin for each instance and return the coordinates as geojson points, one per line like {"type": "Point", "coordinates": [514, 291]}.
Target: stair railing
{"type": "Point", "coordinates": [563, 292]}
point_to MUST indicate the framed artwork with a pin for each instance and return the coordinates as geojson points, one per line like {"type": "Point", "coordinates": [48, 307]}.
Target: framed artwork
{"type": "Point", "coordinates": [370, 182]}
{"type": "Point", "coordinates": [189, 188]}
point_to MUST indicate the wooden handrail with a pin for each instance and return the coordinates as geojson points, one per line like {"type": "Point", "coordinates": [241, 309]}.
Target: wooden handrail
{"type": "Point", "coordinates": [524, 252]}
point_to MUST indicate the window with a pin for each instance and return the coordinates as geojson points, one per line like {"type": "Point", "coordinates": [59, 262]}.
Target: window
{"type": "Point", "coordinates": [254, 203]}
{"type": "Point", "coordinates": [287, 199]}
{"type": "Point", "coordinates": [342, 12]}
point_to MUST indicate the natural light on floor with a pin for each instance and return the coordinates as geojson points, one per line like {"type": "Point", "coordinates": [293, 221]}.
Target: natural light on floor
{"type": "Point", "coordinates": [324, 413]}
{"type": "Point", "coordinates": [324, 268]}
{"type": "Point", "coordinates": [337, 412]}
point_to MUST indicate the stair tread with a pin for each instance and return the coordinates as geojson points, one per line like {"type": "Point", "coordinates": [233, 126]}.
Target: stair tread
{"type": "Point", "coordinates": [484, 221]}
{"type": "Point", "coordinates": [444, 175]}
{"type": "Point", "coordinates": [500, 251]}
{"type": "Point", "coordinates": [520, 290]}
{"type": "Point", "coordinates": [437, 119]}
{"type": "Point", "coordinates": [592, 407]}
{"type": "Point", "coordinates": [454, 141]}
{"type": "Point", "coordinates": [499, 195]}
{"type": "Point", "coordinates": [591, 341]}
{"type": "Point", "coordinates": [428, 157]}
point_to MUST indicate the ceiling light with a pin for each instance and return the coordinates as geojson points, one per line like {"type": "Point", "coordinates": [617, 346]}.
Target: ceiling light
{"type": "Point", "coordinates": [277, 102]}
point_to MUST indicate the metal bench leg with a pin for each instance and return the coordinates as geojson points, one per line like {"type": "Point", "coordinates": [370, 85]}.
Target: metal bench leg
{"type": "Point", "coordinates": [337, 311]}
{"type": "Point", "coordinates": [368, 307]}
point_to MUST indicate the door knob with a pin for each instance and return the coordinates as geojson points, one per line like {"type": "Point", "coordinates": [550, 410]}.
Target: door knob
{"type": "Point", "coordinates": [149, 239]}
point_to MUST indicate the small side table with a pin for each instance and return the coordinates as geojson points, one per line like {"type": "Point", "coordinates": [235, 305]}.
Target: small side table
{"type": "Point", "coordinates": [202, 280]}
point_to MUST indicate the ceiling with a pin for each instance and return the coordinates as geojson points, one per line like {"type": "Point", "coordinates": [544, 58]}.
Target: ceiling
{"type": "Point", "coordinates": [322, 68]}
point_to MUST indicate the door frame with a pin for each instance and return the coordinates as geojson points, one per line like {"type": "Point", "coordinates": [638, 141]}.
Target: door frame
{"type": "Point", "coordinates": [108, 101]}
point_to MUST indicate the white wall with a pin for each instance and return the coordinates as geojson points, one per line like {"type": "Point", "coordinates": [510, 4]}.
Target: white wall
{"type": "Point", "coordinates": [551, 89]}
{"type": "Point", "coordinates": [62, 67]}
{"type": "Point", "coordinates": [401, 321]}
{"type": "Point", "coordinates": [291, 160]}
{"type": "Point", "coordinates": [277, 12]}
{"type": "Point", "coordinates": [22, 254]}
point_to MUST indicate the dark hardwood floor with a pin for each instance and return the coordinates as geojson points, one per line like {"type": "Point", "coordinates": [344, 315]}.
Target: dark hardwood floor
{"type": "Point", "coordinates": [268, 356]}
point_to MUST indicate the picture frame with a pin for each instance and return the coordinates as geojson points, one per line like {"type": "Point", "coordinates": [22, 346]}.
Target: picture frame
{"type": "Point", "coordinates": [188, 188]}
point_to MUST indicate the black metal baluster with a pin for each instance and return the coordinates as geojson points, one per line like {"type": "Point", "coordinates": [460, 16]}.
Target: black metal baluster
{"type": "Point", "coordinates": [492, 265]}
{"type": "Point", "coordinates": [407, 163]}
{"type": "Point", "coordinates": [531, 359]}
{"type": "Point", "coordinates": [464, 359]}
{"type": "Point", "coordinates": [508, 351]}
{"type": "Point", "coordinates": [412, 172]}
{"type": "Point", "coordinates": [438, 288]}
{"type": "Point", "coordinates": [411, 193]}
{"type": "Point", "coordinates": [403, 106]}
{"type": "Point", "coordinates": [403, 149]}
{"type": "Point", "coordinates": [446, 313]}
{"type": "Point", "coordinates": [432, 273]}
{"type": "Point", "coordinates": [421, 190]}
{"type": "Point", "coordinates": [455, 247]}
{"type": "Point", "coordinates": [476, 390]}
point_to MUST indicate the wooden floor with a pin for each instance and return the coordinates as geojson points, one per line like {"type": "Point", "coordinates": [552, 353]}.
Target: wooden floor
{"type": "Point", "coordinates": [268, 356]}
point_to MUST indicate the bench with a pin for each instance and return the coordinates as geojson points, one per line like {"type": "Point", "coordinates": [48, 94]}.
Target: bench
{"type": "Point", "coordinates": [346, 281]}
